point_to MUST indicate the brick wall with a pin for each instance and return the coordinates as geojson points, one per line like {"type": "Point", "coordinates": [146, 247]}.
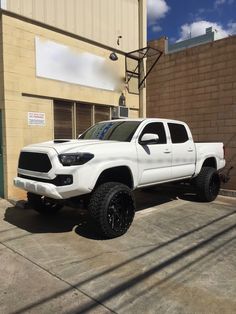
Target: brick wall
{"type": "Point", "coordinates": [198, 86]}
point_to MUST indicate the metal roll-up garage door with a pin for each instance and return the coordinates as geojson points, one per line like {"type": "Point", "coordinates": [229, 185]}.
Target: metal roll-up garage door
{"type": "Point", "coordinates": [63, 127]}
{"type": "Point", "coordinates": [102, 113]}
{"type": "Point", "coordinates": [83, 117]}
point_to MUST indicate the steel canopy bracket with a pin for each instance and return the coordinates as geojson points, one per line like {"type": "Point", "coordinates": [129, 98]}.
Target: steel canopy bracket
{"type": "Point", "coordinates": [138, 56]}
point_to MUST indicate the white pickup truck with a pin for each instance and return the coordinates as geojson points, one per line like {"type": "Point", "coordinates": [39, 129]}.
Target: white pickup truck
{"type": "Point", "coordinates": [111, 159]}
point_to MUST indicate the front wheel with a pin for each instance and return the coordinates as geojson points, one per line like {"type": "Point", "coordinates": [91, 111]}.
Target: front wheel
{"type": "Point", "coordinates": [112, 206]}
{"type": "Point", "coordinates": [208, 184]}
{"type": "Point", "coordinates": [42, 204]}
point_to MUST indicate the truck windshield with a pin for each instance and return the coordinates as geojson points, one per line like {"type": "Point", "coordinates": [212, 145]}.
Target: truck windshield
{"type": "Point", "coordinates": [122, 131]}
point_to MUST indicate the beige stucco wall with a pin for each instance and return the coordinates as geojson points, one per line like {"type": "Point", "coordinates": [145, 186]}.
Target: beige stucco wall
{"type": "Point", "coordinates": [20, 78]}
{"type": "Point", "coordinates": [2, 131]}
{"type": "Point", "coordinates": [99, 20]}
{"type": "Point", "coordinates": [19, 59]}
{"type": "Point", "coordinates": [143, 43]}
{"type": "Point", "coordinates": [2, 122]}
{"type": "Point", "coordinates": [1, 69]}
{"type": "Point", "coordinates": [19, 133]}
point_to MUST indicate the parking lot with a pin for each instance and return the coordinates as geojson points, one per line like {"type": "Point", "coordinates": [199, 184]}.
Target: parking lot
{"type": "Point", "coordinates": [179, 256]}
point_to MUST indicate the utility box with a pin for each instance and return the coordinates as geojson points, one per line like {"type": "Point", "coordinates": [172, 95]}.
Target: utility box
{"type": "Point", "coordinates": [120, 112]}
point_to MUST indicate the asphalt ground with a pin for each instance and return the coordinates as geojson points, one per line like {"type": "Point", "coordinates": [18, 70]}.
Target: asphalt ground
{"type": "Point", "coordinates": [179, 256]}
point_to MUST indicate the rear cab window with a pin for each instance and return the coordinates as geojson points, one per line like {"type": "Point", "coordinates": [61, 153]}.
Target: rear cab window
{"type": "Point", "coordinates": [178, 133]}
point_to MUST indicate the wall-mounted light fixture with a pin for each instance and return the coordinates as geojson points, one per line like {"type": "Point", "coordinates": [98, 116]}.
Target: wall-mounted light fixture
{"type": "Point", "coordinates": [113, 56]}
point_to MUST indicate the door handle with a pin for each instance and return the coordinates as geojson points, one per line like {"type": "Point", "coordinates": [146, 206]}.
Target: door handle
{"type": "Point", "coordinates": [190, 150]}
{"type": "Point", "coordinates": [167, 151]}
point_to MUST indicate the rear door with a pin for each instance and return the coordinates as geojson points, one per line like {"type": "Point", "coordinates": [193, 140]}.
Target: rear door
{"type": "Point", "coordinates": [183, 151]}
{"type": "Point", "coordinates": [1, 159]}
{"type": "Point", "coordinates": [154, 160]}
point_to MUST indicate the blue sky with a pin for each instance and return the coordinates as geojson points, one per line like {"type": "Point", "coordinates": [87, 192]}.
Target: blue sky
{"type": "Point", "coordinates": [177, 19]}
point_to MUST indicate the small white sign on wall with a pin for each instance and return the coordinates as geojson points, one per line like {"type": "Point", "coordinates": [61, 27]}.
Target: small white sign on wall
{"type": "Point", "coordinates": [36, 118]}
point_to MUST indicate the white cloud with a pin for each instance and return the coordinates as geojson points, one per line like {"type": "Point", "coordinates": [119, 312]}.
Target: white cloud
{"type": "Point", "coordinates": [201, 10]}
{"type": "Point", "coordinates": [232, 28]}
{"type": "Point", "coordinates": [156, 9]}
{"type": "Point", "coordinates": [199, 28]}
{"type": "Point", "coordinates": [156, 28]}
{"type": "Point", "coordinates": [218, 3]}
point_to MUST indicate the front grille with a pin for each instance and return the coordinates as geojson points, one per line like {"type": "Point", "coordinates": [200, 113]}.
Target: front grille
{"type": "Point", "coordinates": [34, 162]}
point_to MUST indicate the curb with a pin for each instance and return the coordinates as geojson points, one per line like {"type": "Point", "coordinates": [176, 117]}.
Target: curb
{"type": "Point", "coordinates": [231, 193]}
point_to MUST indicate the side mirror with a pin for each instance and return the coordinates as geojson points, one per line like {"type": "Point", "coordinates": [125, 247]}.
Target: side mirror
{"type": "Point", "coordinates": [149, 138]}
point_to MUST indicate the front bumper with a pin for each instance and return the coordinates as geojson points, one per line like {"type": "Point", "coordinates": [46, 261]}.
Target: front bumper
{"type": "Point", "coordinates": [41, 188]}
{"type": "Point", "coordinates": [51, 190]}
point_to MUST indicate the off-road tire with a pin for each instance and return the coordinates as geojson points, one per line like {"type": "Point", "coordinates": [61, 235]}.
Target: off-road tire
{"type": "Point", "coordinates": [207, 184]}
{"type": "Point", "coordinates": [42, 204]}
{"type": "Point", "coordinates": [112, 207]}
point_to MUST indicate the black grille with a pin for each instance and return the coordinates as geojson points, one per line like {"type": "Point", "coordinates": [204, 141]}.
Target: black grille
{"type": "Point", "coordinates": [34, 162]}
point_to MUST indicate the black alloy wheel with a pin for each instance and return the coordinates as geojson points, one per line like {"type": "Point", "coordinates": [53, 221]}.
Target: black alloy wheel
{"type": "Point", "coordinates": [120, 211]}
{"type": "Point", "coordinates": [112, 206]}
{"type": "Point", "coordinates": [207, 184]}
{"type": "Point", "coordinates": [214, 185]}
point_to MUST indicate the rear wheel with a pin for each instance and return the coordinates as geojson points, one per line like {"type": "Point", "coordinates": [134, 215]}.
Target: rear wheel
{"type": "Point", "coordinates": [208, 184]}
{"type": "Point", "coordinates": [42, 204]}
{"type": "Point", "coordinates": [112, 206]}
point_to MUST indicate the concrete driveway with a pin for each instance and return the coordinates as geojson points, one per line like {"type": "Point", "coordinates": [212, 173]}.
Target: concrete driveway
{"type": "Point", "coordinates": [178, 257]}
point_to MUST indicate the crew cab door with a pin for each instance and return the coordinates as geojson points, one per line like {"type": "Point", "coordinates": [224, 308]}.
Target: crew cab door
{"type": "Point", "coordinates": [154, 160]}
{"type": "Point", "coordinates": [183, 151]}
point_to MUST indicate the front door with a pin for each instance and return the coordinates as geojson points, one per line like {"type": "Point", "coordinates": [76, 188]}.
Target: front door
{"type": "Point", "coordinates": [154, 160]}
{"type": "Point", "coordinates": [1, 158]}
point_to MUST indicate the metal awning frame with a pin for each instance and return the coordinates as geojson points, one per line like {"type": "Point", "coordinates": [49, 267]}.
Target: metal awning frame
{"type": "Point", "coordinates": [138, 55]}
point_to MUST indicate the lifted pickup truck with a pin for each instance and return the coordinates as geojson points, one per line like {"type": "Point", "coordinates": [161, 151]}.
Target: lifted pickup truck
{"type": "Point", "coordinates": [111, 159]}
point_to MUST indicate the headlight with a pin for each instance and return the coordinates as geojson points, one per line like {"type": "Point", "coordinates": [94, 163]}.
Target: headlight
{"type": "Point", "coordinates": [75, 159]}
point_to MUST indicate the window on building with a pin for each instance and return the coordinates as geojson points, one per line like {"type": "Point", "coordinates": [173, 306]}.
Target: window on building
{"type": "Point", "coordinates": [102, 113]}
{"type": "Point", "coordinates": [72, 119]}
{"type": "Point", "coordinates": [83, 118]}
{"type": "Point", "coordinates": [178, 133]}
{"type": "Point", "coordinates": [63, 119]}
{"type": "Point", "coordinates": [155, 128]}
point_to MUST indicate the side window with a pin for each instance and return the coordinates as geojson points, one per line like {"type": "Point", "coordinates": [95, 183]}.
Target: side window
{"type": "Point", "coordinates": [156, 128]}
{"type": "Point", "coordinates": [178, 133]}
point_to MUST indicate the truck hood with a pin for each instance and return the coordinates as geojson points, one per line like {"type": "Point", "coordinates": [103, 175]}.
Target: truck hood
{"type": "Point", "coordinates": [72, 146]}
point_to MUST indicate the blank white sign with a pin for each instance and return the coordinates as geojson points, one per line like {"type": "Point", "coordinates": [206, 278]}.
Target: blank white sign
{"type": "Point", "coordinates": [59, 62]}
